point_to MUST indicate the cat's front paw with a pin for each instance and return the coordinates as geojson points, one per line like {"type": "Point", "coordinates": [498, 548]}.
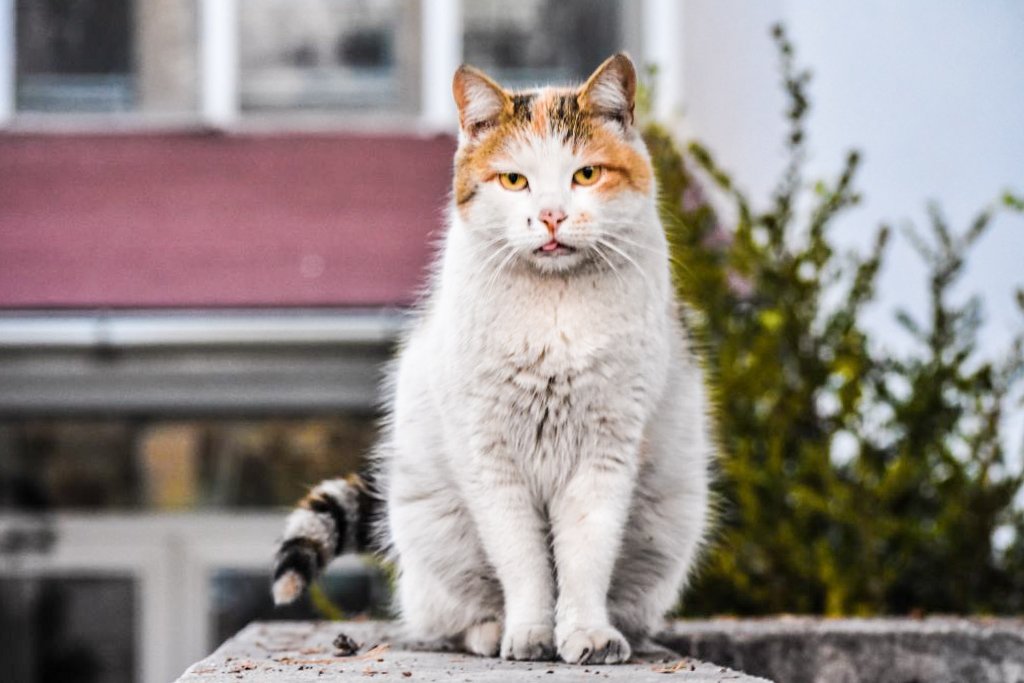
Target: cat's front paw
{"type": "Point", "coordinates": [594, 645]}
{"type": "Point", "coordinates": [528, 642]}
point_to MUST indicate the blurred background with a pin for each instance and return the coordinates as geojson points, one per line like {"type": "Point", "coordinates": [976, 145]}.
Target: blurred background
{"type": "Point", "coordinates": [214, 215]}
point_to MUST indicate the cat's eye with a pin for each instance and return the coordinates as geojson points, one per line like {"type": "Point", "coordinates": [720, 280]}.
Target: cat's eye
{"type": "Point", "coordinates": [512, 181]}
{"type": "Point", "coordinates": [588, 175]}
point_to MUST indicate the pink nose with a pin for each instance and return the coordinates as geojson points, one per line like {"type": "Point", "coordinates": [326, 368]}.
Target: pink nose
{"type": "Point", "coordinates": [552, 218]}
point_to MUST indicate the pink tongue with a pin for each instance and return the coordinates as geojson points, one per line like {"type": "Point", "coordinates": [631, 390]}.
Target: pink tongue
{"type": "Point", "coordinates": [551, 246]}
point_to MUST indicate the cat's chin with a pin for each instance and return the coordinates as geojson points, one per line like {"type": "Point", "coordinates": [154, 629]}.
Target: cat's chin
{"type": "Point", "coordinates": [562, 260]}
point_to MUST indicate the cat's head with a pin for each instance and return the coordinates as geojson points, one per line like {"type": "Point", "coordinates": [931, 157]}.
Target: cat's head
{"type": "Point", "coordinates": [554, 177]}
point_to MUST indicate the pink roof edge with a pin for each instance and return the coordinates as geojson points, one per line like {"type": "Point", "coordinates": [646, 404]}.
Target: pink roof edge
{"type": "Point", "coordinates": [193, 220]}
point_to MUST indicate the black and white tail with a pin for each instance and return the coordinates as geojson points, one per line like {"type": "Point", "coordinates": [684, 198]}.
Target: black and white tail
{"type": "Point", "coordinates": [335, 517]}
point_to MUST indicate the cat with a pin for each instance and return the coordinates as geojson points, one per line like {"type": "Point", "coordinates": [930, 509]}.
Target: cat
{"type": "Point", "coordinates": [542, 479]}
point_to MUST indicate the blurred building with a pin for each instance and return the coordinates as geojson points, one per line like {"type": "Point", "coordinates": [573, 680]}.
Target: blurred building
{"type": "Point", "coordinates": [213, 215]}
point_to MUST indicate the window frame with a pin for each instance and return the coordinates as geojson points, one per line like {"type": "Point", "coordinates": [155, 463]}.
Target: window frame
{"type": "Point", "coordinates": [170, 557]}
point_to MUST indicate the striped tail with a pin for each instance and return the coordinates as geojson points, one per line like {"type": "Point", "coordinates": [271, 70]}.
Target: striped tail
{"type": "Point", "coordinates": [335, 517]}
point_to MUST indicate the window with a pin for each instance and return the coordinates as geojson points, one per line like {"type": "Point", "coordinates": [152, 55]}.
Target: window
{"type": "Point", "coordinates": [327, 54]}
{"type": "Point", "coordinates": [160, 464]}
{"type": "Point", "coordinates": [525, 43]}
{"type": "Point", "coordinates": [106, 56]}
{"type": "Point", "coordinates": [75, 55]}
{"type": "Point", "coordinates": [68, 628]}
{"type": "Point", "coordinates": [83, 592]}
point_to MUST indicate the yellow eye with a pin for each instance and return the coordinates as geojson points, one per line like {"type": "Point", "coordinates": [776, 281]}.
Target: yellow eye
{"type": "Point", "coordinates": [588, 175]}
{"type": "Point", "coordinates": [512, 181]}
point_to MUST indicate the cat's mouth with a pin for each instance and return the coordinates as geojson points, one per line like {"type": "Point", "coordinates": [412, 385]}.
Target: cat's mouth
{"type": "Point", "coordinates": [554, 248]}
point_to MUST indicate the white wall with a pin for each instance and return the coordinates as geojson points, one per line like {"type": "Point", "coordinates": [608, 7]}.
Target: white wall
{"type": "Point", "coordinates": [931, 91]}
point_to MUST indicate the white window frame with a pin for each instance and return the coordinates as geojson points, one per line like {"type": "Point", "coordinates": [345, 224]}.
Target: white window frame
{"type": "Point", "coordinates": [441, 25]}
{"type": "Point", "coordinates": [8, 73]}
{"type": "Point", "coordinates": [218, 62]}
{"type": "Point", "coordinates": [663, 36]}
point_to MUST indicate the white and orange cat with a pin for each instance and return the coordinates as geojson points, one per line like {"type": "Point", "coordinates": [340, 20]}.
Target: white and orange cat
{"type": "Point", "coordinates": [543, 476]}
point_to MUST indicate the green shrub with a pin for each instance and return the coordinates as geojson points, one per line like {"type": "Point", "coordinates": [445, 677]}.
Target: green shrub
{"type": "Point", "coordinates": [904, 520]}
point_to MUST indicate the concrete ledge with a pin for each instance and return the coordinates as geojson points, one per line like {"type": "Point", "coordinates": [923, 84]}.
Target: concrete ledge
{"type": "Point", "coordinates": [806, 650]}
{"type": "Point", "coordinates": [304, 651]}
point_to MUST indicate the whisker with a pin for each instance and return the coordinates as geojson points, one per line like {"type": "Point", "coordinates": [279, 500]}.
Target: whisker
{"type": "Point", "coordinates": [487, 245]}
{"type": "Point", "coordinates": [630, 242]}
{"type": "Point", "coordinates": [659, 252]}
{"type": "Point", "coordinates": [493, 279]}
{"type": "Point", "coordinates": [629, 259]}
{"type": "Point", "coordinates": [490, 259]}
{"type": "Point", "coordinates": [597, 250]}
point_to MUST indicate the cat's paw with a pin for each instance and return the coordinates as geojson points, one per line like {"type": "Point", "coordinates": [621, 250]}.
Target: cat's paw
{"type": "Point", "coordinates": [483, 639]}
{"type": "Point", "coordinates": [532, 642]}
{"type": "Point", "coordinates": [594, 645]}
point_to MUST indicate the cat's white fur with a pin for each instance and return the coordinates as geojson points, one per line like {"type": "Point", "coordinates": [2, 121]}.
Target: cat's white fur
{"type": "Point", "coordinates": [547, 463]}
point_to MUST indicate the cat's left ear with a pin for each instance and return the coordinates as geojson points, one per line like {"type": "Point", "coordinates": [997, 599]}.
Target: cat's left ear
{"type": "Point", "coordinates": [611, 90]}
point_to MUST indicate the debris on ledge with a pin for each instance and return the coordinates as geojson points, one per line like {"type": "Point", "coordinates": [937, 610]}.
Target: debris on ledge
{"type": "Point", "coordinates": [341, 651]}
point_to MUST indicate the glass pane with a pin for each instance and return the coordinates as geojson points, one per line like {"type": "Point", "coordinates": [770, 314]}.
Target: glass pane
{"type": "Point", "coordinates": [174, 465]}
{"type": "Point", "coordinates": [324, 54]}
{"type": "Point", "coordinates": [74, 55]}
{"type": "Point", "coordinates": [533, 42]}
{"type": "Point", "coordinates": [67, 629]}
{"type": "Point", "coordinates": [242, 596]}
{"type": "Point", "coordinates": [107, 56]}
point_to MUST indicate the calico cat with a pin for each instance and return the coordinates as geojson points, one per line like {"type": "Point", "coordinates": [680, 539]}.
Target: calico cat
{"type": "Point", "coordinates": [542, 478]}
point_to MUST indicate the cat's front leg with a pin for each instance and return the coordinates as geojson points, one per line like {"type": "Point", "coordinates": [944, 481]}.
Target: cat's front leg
{"type": "Point", "coordinates": [513, 535]}
{"type": "Point", "coordinates": [588, 518]}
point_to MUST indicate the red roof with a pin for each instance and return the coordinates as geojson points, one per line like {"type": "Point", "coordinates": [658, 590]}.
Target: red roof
{"type": "Point", "coordinates": [196, 220]}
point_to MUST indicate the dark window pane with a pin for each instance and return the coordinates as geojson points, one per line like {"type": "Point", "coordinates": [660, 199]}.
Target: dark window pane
{"type": "Point", "coordinates": [174, 465]}
{"type": "Point", "coordinates": [74, 55]}
{"type": "Point", "coordinates": [77, 465]}
{"type": "Point", "coordinates": [67, 629]}
{"type": "Point", "coordinates": [533, 42]}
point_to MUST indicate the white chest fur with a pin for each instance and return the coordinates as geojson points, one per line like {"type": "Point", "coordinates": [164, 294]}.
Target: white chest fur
{"type": "Point", "coordinates": [548, 368]}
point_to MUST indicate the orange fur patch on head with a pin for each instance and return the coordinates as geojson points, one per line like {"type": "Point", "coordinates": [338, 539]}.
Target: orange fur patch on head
{"type": "Point", "coordinates": [624, 166]}
{"type": "Point", "coordinates": [538, 112]}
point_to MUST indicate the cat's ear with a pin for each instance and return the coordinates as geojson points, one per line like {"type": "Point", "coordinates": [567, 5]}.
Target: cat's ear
{"type": "Point", "coordinates": [611, 90]}
{"type": "Point", "coordinates": [480, 100]}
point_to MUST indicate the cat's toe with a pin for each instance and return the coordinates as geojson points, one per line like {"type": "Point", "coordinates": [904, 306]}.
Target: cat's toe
{"type": "Point", "coordinates": [594, 645]}
{"type": "Point", "coordinates": [483, 639]}
{"type": "Point", "coordinates": [529, 642]}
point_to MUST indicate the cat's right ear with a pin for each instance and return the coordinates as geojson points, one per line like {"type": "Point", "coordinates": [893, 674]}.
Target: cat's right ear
{"type": "Point", "coordinates": [610, 91]}
{"type": "Point", "coordinates": [480, 100]}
